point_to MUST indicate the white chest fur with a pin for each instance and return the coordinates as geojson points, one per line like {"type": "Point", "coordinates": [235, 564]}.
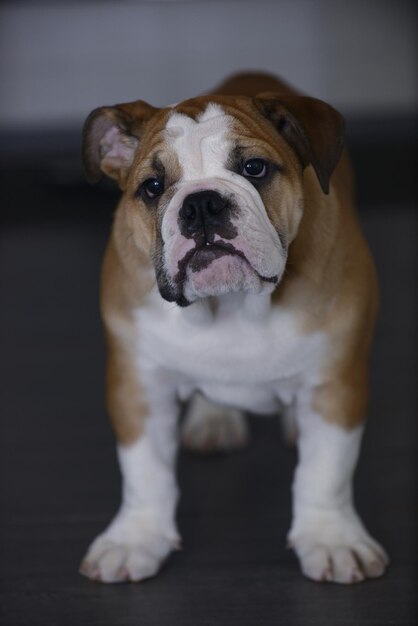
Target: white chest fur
{"type": "Point", "coordinates": [246, 353]}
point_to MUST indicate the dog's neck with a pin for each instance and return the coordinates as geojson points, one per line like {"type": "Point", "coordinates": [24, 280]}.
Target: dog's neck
{"type": "Point", "coordinates": [253, 307]}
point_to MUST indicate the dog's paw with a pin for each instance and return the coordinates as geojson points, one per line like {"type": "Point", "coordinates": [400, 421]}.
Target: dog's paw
{"type": "Point", "coordinates": [209, 428]}
{"type": "Point", "coordinates": [109, 561]}
{"type": "Point", "coordinates": [339, 550]}
{"type": "Point", "coordinates": [120, 555]}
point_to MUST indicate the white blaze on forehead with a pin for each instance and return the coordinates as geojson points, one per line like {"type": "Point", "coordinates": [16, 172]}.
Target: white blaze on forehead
{"type": "Point", "coordinates": [202, 145]}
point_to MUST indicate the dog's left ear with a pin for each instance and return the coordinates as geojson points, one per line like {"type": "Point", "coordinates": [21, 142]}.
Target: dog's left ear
{"type": "Point", "coordinates": [111, 136]}
{"type": "Point", "coordinates": [314, 129]}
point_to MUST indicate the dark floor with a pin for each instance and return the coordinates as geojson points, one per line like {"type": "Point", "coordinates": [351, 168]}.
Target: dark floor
{"type": "Point", "coordinates": [59, 479]}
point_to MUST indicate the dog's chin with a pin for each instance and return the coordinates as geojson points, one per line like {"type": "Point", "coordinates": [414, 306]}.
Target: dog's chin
{"type": "Point", "coordinates": [211, 271]}
{"type": "Point", "coordinates": [217, 273]}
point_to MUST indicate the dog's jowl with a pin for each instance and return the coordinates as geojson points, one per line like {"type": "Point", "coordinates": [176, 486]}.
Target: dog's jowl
{"type": "Point", "coordinates": [236, 279]}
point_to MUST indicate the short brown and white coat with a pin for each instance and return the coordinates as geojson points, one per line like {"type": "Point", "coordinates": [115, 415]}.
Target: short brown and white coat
{"type": "Point", "coordinates": [272, 309]}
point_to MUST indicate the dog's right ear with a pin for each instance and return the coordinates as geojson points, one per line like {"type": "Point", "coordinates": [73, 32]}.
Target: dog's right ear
{"type": "Point", "coordinates": [110, 138]}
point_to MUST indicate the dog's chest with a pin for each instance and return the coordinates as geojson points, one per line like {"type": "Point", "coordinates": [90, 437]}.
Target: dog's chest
{"type": "Point", "coordinates": [234, 358]}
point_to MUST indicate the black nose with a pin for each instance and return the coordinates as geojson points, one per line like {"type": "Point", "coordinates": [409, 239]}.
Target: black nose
{"type": "Point", "coordinates": [202, 212]}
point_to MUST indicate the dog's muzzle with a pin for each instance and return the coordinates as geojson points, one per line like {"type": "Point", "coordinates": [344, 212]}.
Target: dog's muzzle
{"type": "Point", "coordinates": [217, 241]}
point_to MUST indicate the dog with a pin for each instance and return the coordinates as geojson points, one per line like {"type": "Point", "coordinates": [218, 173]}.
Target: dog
{"type": "Point", "coordinates": [236, 279]}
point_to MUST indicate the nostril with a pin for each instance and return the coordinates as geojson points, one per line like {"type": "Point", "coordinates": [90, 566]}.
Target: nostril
{"type": "Point", "coordinates": [215, 205]}
{"type": "Point", "coordinates": [189, 212]}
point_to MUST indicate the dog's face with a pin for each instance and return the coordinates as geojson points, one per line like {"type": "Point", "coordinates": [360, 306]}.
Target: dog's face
{"type": "Point", "coordinates": [212, 187]}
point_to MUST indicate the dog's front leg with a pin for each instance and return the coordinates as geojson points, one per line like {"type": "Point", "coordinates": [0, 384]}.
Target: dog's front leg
{"type": "Point", "coordinates": [144, 414]}
{"type": "Point", "coordinates": [326, 533]}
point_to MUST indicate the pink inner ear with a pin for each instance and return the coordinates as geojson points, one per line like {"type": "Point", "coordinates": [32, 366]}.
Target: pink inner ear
{"type": "Point", "coordinates": [116, 151]}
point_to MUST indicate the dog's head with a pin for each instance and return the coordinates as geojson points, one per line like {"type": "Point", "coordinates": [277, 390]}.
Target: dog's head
{"type": "Point", "coordinates": [212, 187]}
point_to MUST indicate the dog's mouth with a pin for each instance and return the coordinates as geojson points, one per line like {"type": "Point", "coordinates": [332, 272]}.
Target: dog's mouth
{"type": "Point", "coordinates": [202, 255]}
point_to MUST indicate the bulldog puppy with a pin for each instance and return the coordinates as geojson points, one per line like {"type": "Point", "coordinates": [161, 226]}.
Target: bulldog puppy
{"type": "Point", "coordinates": [236, 277]}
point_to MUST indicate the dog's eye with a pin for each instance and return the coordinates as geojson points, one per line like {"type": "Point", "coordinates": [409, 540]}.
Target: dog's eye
{"type": "Point", "coordinates": [255, 168]}
{"type": "Point", "coordinates": [153, 187]}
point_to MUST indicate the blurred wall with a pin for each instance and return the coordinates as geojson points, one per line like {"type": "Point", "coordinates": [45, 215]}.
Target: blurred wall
{"type": "Point", "coordinates": [58, 60]}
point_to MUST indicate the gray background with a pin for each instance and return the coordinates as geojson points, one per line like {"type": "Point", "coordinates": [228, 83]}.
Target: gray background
{"type": "Point", "coordinates": [58, 60]}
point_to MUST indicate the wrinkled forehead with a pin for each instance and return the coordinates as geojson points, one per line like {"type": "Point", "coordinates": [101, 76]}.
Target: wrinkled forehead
{"type": "Point", "coordinates": [201, 136]}
{"type": "Point", "coordinates": [203, 142]}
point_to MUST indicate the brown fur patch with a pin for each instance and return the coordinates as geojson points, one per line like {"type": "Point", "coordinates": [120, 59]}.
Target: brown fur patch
{"type": "Point", "coordinates": [120, 294]}
{"type": "Point", "coordinates": [330, 285]}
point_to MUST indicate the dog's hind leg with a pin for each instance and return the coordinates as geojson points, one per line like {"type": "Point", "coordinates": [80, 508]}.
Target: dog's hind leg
{"type": "Point", "coordinates": [209, 428]}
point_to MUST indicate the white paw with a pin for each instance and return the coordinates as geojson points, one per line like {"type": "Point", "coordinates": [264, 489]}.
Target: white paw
{"type": "Point", "coordinates": [118, 557]}
{"type": "Point", "coordinates": [337, 548]}
{"type": "Point", "coordinates": [209, 428]}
